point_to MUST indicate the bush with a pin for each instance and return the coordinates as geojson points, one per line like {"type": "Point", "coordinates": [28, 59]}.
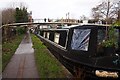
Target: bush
{"type": "Point", "coordinates": [20, 30]}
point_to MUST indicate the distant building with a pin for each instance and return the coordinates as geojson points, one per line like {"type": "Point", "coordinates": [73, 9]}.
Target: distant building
{"type": "Point", "coordinates": [30, 17]}
{"type": "Point", "coordinates": [68, 20]}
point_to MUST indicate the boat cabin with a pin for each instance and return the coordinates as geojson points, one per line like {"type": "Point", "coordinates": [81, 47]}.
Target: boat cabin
{"type": "Point", "coordinates": [81, 39]}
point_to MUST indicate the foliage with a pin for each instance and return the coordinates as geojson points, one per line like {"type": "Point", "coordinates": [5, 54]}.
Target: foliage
{"type": "Point", "coordinates": [20, 30]}
{"type": "Point", "coordinates": [12, 15]}
{"type": "Point", "coordinates": [8, 33]}
{"type": "Point", "coordinates": [108, 43]}
{"type": "Point", "coordinates": [47, 65]}
{"type": "Point", "coordinates": [9, 48]}
{"type": "Point", "coordinates": [117, 23]}
{"type": "Point", "coordinates": [21, 15]}
{"type": "Point", "coordinates": [111, 40]}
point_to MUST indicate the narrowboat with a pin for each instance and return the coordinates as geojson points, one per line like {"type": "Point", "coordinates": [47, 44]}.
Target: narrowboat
{"type": "Point", "coordinates": [79, 48]}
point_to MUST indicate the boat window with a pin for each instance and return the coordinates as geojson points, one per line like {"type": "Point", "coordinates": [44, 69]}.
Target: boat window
{"type": "Point", "coordinates": [56, 38]}
{"type": "Point", "coordinates": [38, 32]}
{"type": "Point", "coordinates": [51, 37]}
{"type": "Point", "coordinates": [62, 39]}
{"type": "Point", "coordinates": [48, 35]}
{"type": "Point", "coordinates": [80, 39]}
{"type": "Point", "coordinates": [101, 35]}
{"type": "Point", "coordinates": [41, 33]}
{"type": "Point", "coordinates": [44, 34]}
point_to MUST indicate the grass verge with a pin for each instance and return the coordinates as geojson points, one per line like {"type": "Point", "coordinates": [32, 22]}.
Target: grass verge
{"type": "Point", "coordinates": [9, 48]}
{"type": "Point", "coordinates": [47, 65]}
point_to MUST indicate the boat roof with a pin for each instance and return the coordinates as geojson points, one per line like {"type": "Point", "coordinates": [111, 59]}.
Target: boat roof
{"type": "Point", "coordinates": [72, 26]}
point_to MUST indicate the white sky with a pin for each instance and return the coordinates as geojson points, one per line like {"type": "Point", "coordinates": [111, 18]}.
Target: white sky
{"type": "Point", "coordinates": [54, 9]}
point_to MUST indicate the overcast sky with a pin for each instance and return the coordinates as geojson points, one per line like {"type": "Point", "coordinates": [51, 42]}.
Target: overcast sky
{"type": "Point", "coordinates": [55, 8]}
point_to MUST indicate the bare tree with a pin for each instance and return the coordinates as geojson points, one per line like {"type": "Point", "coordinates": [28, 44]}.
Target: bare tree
{"type": "Point", "coordinates": [119, 11]}
{"type": "Point", "coordinates": [8, 15]}
{"type": "Point", "coordinates": [95, 14]}
{"type": "Point", "coordinates": [106, 10]}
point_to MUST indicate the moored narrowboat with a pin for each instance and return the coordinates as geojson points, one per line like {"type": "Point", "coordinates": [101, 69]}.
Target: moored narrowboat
{"type": "Point", "coordinates": [80, 49]}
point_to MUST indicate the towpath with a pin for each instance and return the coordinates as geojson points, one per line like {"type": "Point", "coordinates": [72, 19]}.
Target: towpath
{"type": "Point", "coordinates": [22, 64]}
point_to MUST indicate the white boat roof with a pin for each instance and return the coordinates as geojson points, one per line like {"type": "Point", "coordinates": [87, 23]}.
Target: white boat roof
{"type": "Point", "coordinates": [81, 24]}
